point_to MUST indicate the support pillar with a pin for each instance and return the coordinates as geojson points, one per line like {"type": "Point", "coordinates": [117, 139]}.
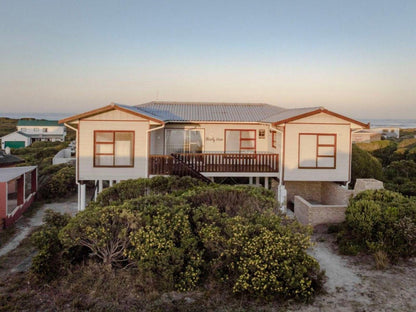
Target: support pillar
{"type": "Point", "coordinates": [111, 183]}
{"type": "Point", "coordinates": [266, 183]}
{"type": "Point", "coordinates": [82, 190]}
{"type": "Point", "coordinates": [95, 189]}
{"type": "Point", "coordinates": [282, 197]}
{"type": "Point", "coordinates": [100, 186]}
{"type": "Point", "coordinates": [20, 190]}
{"type": "Point", "coordinates": [257, 180]}
{"type": "Point", "coordinates": [250, 180]}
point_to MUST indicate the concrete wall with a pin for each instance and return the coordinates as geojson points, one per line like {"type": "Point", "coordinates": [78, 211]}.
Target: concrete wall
{"type": "Point", "coordinates": [63, 156]}
{"type": "Point", "coordinates": [333, 201]}
{"type": "Point", "coordinates": [312, 214]}
{"type": "Point", "coordinates": [311, 191]}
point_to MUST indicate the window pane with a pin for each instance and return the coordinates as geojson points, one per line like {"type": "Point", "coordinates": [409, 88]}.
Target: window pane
{"type": "Point", "coordinates": [195, 141]}
{"type": "Point", "coordinates": [326, 162]}
{"type": "Point", "coordinates": [326, 139]}
{"type": "Point", "coordinates": [248, 134]}
{"type": "Point", "coordinates": [123, 149]}
{"type": "Point", "coordinates": [175, 141]}
{"type": "Point", "coordinates": [104, 148]}
{"type": "Point", "coordinates": [248, 144]}
{"type": "Point", "coordinates": [325, 151]}
{"type": "Point", "coordinates": [104, 160]}
{"type": "Point", "coordinates": [104, 136]}
{"type": "Point", "coordinates": [232, 141]}
{"type": "Point", "coordinates": [307, 151]}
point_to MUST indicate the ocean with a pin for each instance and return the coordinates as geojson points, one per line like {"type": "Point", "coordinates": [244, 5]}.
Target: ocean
{"type": "Point", "coordinates": [374, 123]}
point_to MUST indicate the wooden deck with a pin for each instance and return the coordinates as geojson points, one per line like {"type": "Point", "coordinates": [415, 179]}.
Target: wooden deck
{"type": "Point", "coordinates": [213, 162]}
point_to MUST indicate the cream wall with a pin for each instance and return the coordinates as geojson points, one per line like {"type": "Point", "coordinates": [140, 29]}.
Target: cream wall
{"type": "Point", "coordinates": [214, 140]}
{"type": "Point", "coordinates": [114, 120]}
{"type": "Point", "coordinates": [323, 124]}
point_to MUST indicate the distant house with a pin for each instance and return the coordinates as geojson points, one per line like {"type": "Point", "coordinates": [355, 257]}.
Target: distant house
{"type": "Point", "coordinates": [299, 149]}
{"type": "Point", "coordinates": [365, 136]}
{"type": "Point", "coordinates": [7, 160]}
{"type": "Point", "coordinates": [18, 186]}
{"type": "Point", "coordinates": [29, 131]}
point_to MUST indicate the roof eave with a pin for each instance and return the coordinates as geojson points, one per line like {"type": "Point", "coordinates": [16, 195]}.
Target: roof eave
{"type": "Point", "coordinates": [106, 109]}
{"type": "Point", "coordinates": [322, 110]}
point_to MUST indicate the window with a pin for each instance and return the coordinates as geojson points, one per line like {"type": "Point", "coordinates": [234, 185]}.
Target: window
{"type": "Point", "coordinates": [274, 139]}
{"type": "Point", "coordinates": [317, 151]}
{"type": "Point", "coordinates": [36, 129]}
{"type": "Point", "coordinates": [113, 149]}
{"type": "Point", "coordinates": [262, 134]}
{"type": "Point", "coordinates": [24, 130]}
{"type": "Point", "coordinates": [184, 141]}
{"type": "Point", "coordinates": [240, 141]}
{"type": "Point", "coordinates": [45, 130]}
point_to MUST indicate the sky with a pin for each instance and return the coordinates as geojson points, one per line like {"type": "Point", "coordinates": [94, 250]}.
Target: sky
{"type": "Point", "coordinates": [356, 58]}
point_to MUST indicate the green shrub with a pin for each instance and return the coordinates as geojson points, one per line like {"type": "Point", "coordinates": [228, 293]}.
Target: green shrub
{"type": "Point", "coordinates": [59, 185]}
{"type": "Point", "coordinates": [223, 236]}
{"type": "Point", "coordinates": [401, 169]}
{"type": "Point", "coordinates": [380, 221]}
{"type": "Point", "coordinates": [363, 165]}
{"type": "Point", "coordinates": [233, 200]}
{"type": "Point", "coordinates": [139, 187]}
{"type": "Point", "coordinates": [49, 262]}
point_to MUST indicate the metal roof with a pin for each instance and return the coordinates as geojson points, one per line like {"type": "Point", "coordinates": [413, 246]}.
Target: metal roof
{"type": "Point", "coordinates": [290, 113]}
{"type": "Point", "coordinates": [39, 123]}
{"type": "Point", "coordinates": [7, 159]}
{"type": "Point", "coordinates": [8, 174]}
{"type": "Point", "coordinates": [207, 111]}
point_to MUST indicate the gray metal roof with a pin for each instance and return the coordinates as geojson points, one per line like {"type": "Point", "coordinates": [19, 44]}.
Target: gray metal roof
{"type": "Point", "coordinates": [8, 159]}
{"type": "Point", "coordinates": [207, 111]}
{"type": "Point", "coordinates": [8, 174]}
{"type": "Point", "coordinates": [290, 113]}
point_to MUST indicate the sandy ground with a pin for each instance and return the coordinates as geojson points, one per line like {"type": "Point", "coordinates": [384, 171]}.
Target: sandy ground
{"type": "Point", "coordinates": [355, 285]}
{"type": "Point", "coordinates": [25, 225]}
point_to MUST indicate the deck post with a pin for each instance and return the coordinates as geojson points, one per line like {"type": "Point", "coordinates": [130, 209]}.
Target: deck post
{"type": "Point", "coordinates": [100, 186]}
{"type": "Point", "coordinates": [250, 180]}
{"type": "Point", "coordinates": [257, 180]}
{"type": "Point", "coordinates": [266, 183]}
{"type": "Point", "coordinates": [82, 203]}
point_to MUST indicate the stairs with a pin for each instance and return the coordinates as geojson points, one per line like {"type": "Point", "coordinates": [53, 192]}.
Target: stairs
{"type": "Point", "coordinates": [181, 168]}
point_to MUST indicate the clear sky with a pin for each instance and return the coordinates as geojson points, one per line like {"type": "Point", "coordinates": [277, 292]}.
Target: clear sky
{"type": "Point", "coordinates": [354, 57]}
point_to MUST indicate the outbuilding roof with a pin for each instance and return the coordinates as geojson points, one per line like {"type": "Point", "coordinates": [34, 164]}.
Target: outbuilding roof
{"type": "Point", "coordinates": [8, 174]}
{"type": "Point", "coordinates": [8, 160]}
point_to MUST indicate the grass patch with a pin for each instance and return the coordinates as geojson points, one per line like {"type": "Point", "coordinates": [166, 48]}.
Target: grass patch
{"type": "Point", "coordinates": [372, 146]}
{"type": "Point", "coordinates": [7, 234]}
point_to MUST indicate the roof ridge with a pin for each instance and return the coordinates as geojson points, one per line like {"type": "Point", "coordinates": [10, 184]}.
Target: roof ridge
{"type": "Point", "coordinates": [205, 103]}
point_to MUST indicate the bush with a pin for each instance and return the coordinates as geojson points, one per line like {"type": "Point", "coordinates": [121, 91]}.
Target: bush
{"type": "Point", "coordinates": [380, 221]}
{"type": "Point", "coordinates": [401, 169]}
{"type": "Point", "coordinates": [59, 185]}
{"type": "Point", "coordinates": [233, 200]}
{"type": "Point", "coordinates": [48, 263]}
{"type": "Point", "coordinates": [363, 165]}
{"type": "Point", "coordinates": [223, 236]}
{"type": "Point", "coordinates": [130, 189]}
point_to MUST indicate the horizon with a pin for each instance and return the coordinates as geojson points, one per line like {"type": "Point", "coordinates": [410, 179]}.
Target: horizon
{"type": "Point", "coordinates": [354, 58]}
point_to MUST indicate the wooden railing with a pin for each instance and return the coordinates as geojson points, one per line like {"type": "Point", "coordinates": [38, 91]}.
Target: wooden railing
{"type": "Point", "coordinates": [214, 162]}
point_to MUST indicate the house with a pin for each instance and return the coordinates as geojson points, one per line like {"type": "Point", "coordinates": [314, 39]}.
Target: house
{"type": "Point", "coordinates": [298, 148]}
{"type": "Point", "coordinates": [365, 136]}
{"type": "Point", "coordinates": [29, 131]}
{"type": "Point", "coordinates": [18, 186]}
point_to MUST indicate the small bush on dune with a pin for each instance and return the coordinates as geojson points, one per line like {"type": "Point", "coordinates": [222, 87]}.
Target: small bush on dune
{"type": "Point", "coordinates": [49, 262]}
{"type": "Point", "coordinates": [130, 189]}
{"type": "Point", "coordinates": [380, 221]}
{"type": "Point", "coordinates": [59, 185]}
{"type": "Point", "coordinates": [364, 165]}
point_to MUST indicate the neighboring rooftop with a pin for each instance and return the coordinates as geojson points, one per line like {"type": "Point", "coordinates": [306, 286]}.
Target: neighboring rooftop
{"type": "Point", "coordinates": [9, 160]}
{"type": "Point", "coordinates": [8, 174]}
{"type": "Point", "coordinates": [38, 123]}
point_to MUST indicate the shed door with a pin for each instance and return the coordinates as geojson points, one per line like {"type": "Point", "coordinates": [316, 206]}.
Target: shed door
{"type": "Point", "coordinates": [14, 144]}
